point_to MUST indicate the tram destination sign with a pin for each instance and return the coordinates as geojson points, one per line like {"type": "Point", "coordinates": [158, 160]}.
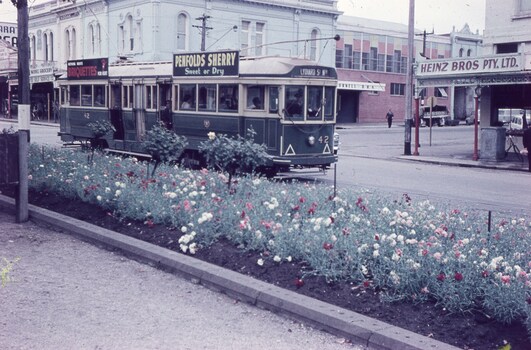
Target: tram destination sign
{"type": "Point", "coordinates": [474, 65]}
{"type": "Point", "coordinates": [220, 63]}
{"type": "Point", "coordinates": [96, 68]}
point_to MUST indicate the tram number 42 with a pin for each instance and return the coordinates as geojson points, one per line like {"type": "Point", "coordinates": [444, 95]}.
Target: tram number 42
{"type": "Point", "coordinates": [323, 139]}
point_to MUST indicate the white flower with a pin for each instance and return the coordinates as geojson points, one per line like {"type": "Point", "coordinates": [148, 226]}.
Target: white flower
{"type": "Point", "coordinates": [107, 190]}
{"type": "Point", "coordinates": [288, 258]}
{"type": "Point", "coordinates": [260, 262]}
{"type": "Point", "coordinates": [193, 248]}
{"type": "Point", "coordinates": [376, 253]}
{"type": "Point", "coordinates": [211, 135]}
{"type": "Point", "coordinates": [117, 193]}
{"type": "Point", "coordinates": [277, 258]}
{"type": "Point", "coordinates": [98, 198]}
{"type": "Point", "coordinates": [184, 229]}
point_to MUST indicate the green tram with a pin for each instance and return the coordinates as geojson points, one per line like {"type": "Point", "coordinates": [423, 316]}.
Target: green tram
{"type": "Point", "coordinates": [290, 103]}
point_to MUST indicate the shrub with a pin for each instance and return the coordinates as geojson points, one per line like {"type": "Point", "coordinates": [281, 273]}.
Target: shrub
{"type": "Point", "coordinates": [163, 145]}
{"type": "Point", "coordinates": [233, 155]}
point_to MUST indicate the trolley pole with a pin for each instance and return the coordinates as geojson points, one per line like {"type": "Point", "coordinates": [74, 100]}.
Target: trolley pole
{"type": "Point", "coordinates": [23, 109]}
{"type": "Point", "coordinates": [409, 81]}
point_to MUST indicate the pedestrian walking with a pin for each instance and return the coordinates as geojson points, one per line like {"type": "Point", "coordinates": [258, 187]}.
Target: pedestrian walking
{"type": "Point", "coordinates": [389, 117]}
{"type": "Point", "coordinates": [527, 145]}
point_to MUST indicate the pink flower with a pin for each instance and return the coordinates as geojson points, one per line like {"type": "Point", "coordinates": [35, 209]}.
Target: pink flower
{"type": "Point", "coordinates": [328, 246]}
{"type": "Point", "coordinates": [506, 279]}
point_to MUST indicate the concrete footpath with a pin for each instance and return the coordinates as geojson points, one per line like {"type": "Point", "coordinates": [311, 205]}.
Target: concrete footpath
{"type": "Point", "coordinates": [67, 293]}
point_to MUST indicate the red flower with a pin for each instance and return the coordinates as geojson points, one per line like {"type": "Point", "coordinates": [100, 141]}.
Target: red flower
{"type": "Point", "coordinates": [458, 276]}
{"type": "Point", "coordinates": [366, 283]}
{"type": "Point", "coordinates": [299, 282]}
{"type": "Point", "coordinates": [441, 277]}
{"type": "Point", "coordinates": [328, 246]}
{"type": "Point", "coordinates": [302, 199]}
{"type": "Point", "coordinates": [243, 214]}
{"type": "Point", "coordinates": [485, 273]}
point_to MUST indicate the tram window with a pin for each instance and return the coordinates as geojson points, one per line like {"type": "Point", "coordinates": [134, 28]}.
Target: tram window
{"type": "Point", "coordinates": [127, 96]}
{"type": "Point", "coordinates": [294, 102]}
{"type": "Point", "coordinates": [86, 95]}
{"type": "Point", "coordinates": [151, 97]}
{"type": "Point", "coordinates": [273, 99]}
{"type": "Point", "coordinates": [64, 94]}
{"type": "Point", "coordinates": [187, 97]}
{"type": "Point", "coordinates": [329, 103]}
{"type": "Point", "coordinates": [228, 98]}
{"type": "Point", "coordinates": [315, 102]}
{"type": "Point", "coordinates": [99, 95]}
{"type": "Point", "coordinates": [207, 97]}
{"type": "Point", "coordinates": [255, 97]}
{"type": "Point", "coordinates": [74, 95]}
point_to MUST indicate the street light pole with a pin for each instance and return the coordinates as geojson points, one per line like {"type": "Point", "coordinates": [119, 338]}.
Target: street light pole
{"type": "Point", "coordinates": [477, 95]}
{"type": "Point", "coordinates": [409, 81]}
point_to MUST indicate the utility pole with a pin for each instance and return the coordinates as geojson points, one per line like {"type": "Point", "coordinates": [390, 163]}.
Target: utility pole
{"type": "Point", "coordinates": [23, 109]}
{"type": "Point", "coordinates": [409, 81]}
{"type": "Point", "coordinates": [423, 54]}
{"type": "Point", "coordinates": [203, 29]}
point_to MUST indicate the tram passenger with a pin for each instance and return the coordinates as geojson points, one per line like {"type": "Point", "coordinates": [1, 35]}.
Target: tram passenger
{"type": "Point", "coordinates": [165, 115]}
{"type": "Point", "coordinates": [257, 104]}
{"type": "Point", "coordinates": [295, 106]}
{"type": "Point", "coordinates": [186, 102]}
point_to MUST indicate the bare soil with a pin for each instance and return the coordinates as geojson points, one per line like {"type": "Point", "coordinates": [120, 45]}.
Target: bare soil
{"type": "Point", "coordinates": [468, 331]}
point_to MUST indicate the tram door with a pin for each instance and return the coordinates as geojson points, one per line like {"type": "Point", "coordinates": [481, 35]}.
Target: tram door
{"type": "Point", "coordinates": [116, 111]}
{"type": "Point", "coordinates": [139, 111]}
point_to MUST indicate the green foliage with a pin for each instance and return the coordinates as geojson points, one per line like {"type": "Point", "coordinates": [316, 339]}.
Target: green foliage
{"type": "Point", "coordinates": [163, 145]}
{"type": "Point", "coordinates": [4, 271]}
{"type": "Point", "coordinates": [233, 155]}
{"type": "Point", "coordinates": [101, 128]}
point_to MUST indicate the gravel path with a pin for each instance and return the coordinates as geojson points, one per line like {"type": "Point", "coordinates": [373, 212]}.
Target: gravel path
{"type": "Point", "coordinates": [68, 294]}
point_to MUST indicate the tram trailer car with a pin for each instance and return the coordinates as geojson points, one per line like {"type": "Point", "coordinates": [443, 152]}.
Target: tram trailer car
{"type": "Point", "coordinates": [290, 103]}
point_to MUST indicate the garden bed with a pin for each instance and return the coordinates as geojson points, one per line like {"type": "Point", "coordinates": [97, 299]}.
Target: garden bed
{"type": "Point", "coordinates": [471, 330]}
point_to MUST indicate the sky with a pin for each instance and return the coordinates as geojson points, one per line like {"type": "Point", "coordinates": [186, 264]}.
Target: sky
{"type": "Point", "coordinates": [439, 15]}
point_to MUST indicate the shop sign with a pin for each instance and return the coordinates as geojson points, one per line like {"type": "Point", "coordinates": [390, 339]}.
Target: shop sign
{"type": "Point", "coordinates": [225, 63]}
{"type": "Point", "coordinates": [41, 72]}
{"type": "Point", "coordinates": [495, 79]}
{"type": "Point", "coordinates": [360, 86]}
{"type": "Point", "coordinates": [96, 68]}
{"type": "Point", "coordinates": [8, 32]}
{"type": "Point", "coordinates": [476, 65]}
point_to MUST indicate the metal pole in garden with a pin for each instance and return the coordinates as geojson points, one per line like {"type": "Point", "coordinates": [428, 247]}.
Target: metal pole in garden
{"type": "Point", "coordinates": [409, 81]}
{"type": "Point", "coordinates": [22, 214]}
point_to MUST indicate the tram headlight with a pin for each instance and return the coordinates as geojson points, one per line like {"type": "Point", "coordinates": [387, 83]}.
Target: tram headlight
{"type": "Point", "coordinates": [311, 140]}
